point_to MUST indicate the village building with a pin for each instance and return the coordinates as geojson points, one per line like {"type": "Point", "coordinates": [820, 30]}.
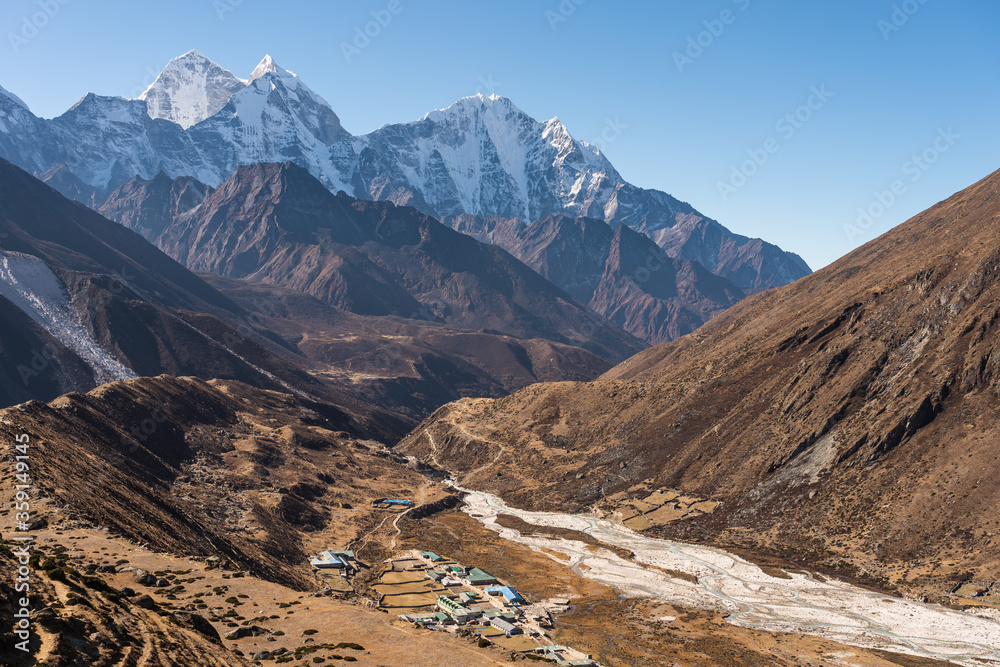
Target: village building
{"type": "Point", "coordinates": [457, 611]}
{"type": "Point", "coordinates": [391, 503]}
{"type": "Point", "coordinates": [509, 595]}
{"type": "Point", "coordinates": [506, 627]}
{"type": "Point", "coordinates": [338, 560]}
{"type": "Point", "coordinates": [478, 577]}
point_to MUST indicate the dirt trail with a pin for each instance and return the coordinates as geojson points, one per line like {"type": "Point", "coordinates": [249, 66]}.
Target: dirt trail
{"type": "Point", "coordinates": [432, 457]}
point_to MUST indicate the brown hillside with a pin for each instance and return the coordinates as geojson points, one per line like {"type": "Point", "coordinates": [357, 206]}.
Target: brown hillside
{"type": "Point", "coordinates": [850, 416]}
{"type": "Point", "coordinates": [210, 469]}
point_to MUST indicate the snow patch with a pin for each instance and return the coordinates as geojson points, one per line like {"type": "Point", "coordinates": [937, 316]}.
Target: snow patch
{"type": "Point", "coordinates": [29, 284]}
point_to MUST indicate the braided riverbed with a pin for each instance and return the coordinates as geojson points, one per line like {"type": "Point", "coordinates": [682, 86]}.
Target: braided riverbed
{"type": "Point", "coordinates": [751, 598]}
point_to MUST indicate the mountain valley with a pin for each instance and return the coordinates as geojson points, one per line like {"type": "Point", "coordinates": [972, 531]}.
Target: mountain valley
{"type": "Point", "coordinates": [454, 391]}
{"type": "Point", "coordinates": [839, 422]}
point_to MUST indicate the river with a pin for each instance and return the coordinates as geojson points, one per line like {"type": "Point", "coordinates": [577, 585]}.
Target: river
{"type": "Point", "coordinates": [751, 598]}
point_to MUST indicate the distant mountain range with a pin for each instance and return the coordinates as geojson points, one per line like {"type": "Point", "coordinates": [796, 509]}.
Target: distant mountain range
{"type": "Point", "coordinates": [618, 272]}
{"type": "Point", "coordinates": [482, 156]}
{"type": "Point", "coordinates": [276, 224]}
{"type": "Point", "coordinates": [86, 301]}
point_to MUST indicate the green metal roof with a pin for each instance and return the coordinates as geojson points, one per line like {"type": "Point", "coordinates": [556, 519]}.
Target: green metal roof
{"type": "Point", "coordinates": [476, 574]}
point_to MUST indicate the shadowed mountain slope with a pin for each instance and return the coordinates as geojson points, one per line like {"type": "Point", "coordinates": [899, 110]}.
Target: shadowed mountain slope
{"type": "Point", "coordinates": [618, 272]}
{"type": "Point", "coordinates": [276, 224]}
{"type": "Point", "coordinates": [848, 417]}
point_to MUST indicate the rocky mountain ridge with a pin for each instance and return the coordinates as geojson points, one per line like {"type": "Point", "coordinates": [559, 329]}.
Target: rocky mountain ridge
{"type": "Point", "coordinates": [481, 156]}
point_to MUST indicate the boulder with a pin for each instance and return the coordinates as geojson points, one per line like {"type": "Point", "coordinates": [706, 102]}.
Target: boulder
{"type": "Point", "coordinates": [199, 624]}
{"type": "Point", "coordinates": [246, 631]}
{"type": "Point", "coordinates": [145, 602]}
{"type": "Point", "coordinates": [142, 577]}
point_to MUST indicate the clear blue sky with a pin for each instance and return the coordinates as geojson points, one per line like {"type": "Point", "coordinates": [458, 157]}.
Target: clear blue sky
{"type": "Point", "coordinates": [682, 129]}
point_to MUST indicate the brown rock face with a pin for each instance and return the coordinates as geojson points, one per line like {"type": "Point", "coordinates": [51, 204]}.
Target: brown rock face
{"type": "Point", "coordinates": [145, 309]}
{"type": "Point", "coordinates": [210, 469]}
{"type": "Point", "coordinates": [619, 272]}
{"type": "Point", "coordinates": [654, 296]}
{"type": "Point", "coordinates": [850, 415]}
{"type": "Point", "coordinates": [278, 225]}
{"type": "Point", "coordinates": [148, 207]}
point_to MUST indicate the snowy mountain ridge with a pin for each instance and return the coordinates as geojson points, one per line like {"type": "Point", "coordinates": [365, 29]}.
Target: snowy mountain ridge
{"type": "Point", "coordinates": [481, 156]}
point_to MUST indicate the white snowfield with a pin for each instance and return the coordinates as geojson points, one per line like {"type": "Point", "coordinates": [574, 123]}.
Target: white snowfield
{"type": "Point", "coordinates": [490, 149]}
{"type": "Point", "coordinates": [829, 609]}
{"type": "Point", "coordinates": [481, 155]}
{"type": "Point", "coordinates": [29, 284]}
{"type": "Point", "coordinates": [190, 89]}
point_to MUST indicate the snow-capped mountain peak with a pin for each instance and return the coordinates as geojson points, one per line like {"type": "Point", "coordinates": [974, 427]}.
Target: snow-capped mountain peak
{"type": "Point", "coordinates": [268, 66]}
{"type": "Point", "coordinates": [482, 155]}
{"type": "Point", "coordinates": [473, 104]}
{"type": "Point", "coordinates": [14, 98]}
{"type": "Point", "coordinates": [291, 81]}
{"type": "Point", "coordinates": [190, 89]}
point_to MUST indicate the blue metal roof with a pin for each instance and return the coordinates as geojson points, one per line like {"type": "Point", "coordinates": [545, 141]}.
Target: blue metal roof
{"type": "Point", "coordinates": [509, 593]}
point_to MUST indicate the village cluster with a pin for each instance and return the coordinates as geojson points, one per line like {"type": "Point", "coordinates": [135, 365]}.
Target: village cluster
{"type": "Point", "coordinates": [438, 593]}
{"type": "Point", "coordinates": [455, 596]}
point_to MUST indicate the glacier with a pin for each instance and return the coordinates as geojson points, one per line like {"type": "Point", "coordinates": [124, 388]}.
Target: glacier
{"type": "Point", "coordinates": [30, 284]}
